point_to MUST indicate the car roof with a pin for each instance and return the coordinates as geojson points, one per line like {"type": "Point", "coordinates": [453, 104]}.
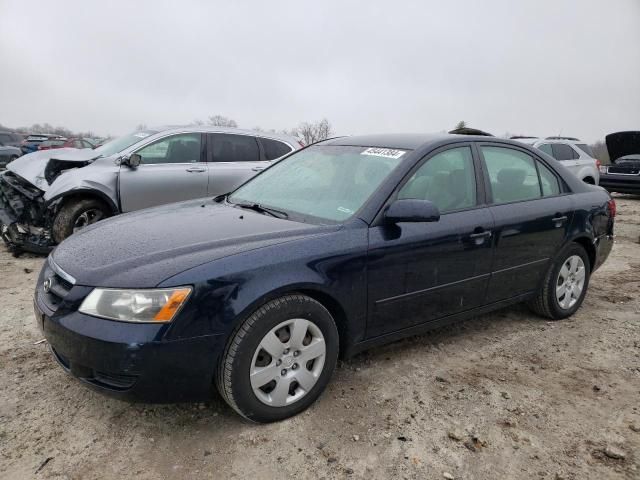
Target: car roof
{"type": "Point", "coordinates": [214, 129]}
{"type": "Point", "coordinates": [410, 141]}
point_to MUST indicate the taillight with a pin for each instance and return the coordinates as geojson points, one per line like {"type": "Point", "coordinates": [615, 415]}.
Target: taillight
{"type": "Point", "coordinates": [611, 205]}
{"type": "Point", "coordinates": [601, 168]}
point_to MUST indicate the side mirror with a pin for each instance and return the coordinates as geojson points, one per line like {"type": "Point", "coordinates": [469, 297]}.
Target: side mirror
{"type": "Point", "coordinates": [411, 210]}
{"type": "Point", "coordinates": [133, 161]}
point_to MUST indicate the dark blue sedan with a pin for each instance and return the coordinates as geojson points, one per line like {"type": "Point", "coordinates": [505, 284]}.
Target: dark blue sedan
{"type": "Point", "coordinates": [349, 243]}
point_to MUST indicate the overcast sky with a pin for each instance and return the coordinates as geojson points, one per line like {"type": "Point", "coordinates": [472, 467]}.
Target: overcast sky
{"type": "Point", "coordinates": [538, 67]}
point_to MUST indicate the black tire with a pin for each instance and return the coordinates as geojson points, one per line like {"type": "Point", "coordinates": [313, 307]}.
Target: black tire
{"type": "Point", "coordinates": [12, 158]}
{"type": "Point", "coordinates": [232, 379]}
{"type": "Point", "coordinates": [546, 303]}
{"type": "Point", "coordinates": [68, 215]}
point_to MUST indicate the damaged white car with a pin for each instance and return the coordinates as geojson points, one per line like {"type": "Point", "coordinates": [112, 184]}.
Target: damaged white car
{"type": "Point", "coordinates": [46, 196]}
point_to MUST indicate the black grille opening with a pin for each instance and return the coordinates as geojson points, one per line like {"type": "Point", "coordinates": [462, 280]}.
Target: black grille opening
{"type": "Point", "coordinates": [624, 169]}
{"type": "Point", "coordinates": [115, 381]}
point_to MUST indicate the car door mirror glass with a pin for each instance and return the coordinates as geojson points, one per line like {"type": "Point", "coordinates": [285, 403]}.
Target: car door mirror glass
{"type": "Point", "coordinates": [412, 210]}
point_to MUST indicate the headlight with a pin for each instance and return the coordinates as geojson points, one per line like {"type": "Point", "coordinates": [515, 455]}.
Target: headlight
{"type": "Point", "coordinates": [154, 305]}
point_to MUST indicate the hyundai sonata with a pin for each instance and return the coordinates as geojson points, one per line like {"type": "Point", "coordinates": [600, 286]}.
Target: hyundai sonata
{"type": "Point", "coordinates": [343, 245]}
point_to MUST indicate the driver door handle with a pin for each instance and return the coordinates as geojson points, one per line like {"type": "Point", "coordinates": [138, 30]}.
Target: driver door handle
{"type": "Point", "coordinates": [197, 169]}
{"type": "Point", "coordinates": [485, 234]}
{"type": "Point", "coordinates": [258, 169]}
{"type": "Point", "coordinates": [479, 237]}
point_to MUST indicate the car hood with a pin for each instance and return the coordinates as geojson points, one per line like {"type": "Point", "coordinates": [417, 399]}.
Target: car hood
{"type": "Point", "coordinates": [621, 144]}
{"type": "Point", "coordinates": [141, 249]}
{"type": "Point", "coordinates": [32, 166]}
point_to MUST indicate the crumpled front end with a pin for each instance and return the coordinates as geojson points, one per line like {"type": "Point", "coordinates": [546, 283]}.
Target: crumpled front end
{"type": "Point", "coordinates": [24, 221]}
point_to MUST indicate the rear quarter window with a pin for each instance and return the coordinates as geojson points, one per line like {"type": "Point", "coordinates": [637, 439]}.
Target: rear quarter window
{"type": "Point", "coordinates": [562, 151]}
{"type": "Point", "coordinates": [274, 149]}
{"type": "Point", "coordinates": [586, 149]}
{"type": "Point", "coordinates": [546, 148]}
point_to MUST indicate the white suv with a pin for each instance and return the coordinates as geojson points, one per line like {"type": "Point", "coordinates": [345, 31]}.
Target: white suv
{"type": "Point", "coordinates": [575, 155]}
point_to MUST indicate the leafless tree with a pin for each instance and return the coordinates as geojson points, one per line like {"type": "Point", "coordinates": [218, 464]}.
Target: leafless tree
{"type": "Point", "coordinates": [312, 132]}
{"type": "Point", "coordinates": [600, 151]}
{"type": "Point", "coordinates": [460, 124]}
{"type": "Point", "coordinates": [221, 121]}
{"type": "Point", "coordinates": [141, 126]}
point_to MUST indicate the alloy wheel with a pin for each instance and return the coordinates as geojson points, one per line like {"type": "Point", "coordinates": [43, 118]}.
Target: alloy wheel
{"type": "Point", "coordinates": [87, 218]}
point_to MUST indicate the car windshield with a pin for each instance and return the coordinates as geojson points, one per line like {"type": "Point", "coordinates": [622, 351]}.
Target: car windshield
{"type": "Point", "coordinates": [321, 184]}
{"type": "Point", "coordinates": [118, 144]}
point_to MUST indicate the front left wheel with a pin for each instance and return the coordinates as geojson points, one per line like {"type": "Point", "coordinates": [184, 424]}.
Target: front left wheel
{"type": "Point", "coordinates": [280, 359]}
{"type": "Point", "coordinates": [77, 214]}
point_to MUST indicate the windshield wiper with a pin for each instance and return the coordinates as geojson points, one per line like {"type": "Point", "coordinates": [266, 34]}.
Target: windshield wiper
{"type": "Point", "coordinates": [256, 207]}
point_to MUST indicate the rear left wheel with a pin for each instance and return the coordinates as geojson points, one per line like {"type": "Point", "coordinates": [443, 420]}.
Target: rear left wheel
{"type": "Point", "coordinates": [280, 359]}
{"type": "Point", "coordinates": [565, 284]}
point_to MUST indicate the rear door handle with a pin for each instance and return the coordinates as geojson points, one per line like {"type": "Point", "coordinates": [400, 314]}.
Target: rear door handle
{"type": "Point", "coordinates": [196, 169]}
{"type": "Point", "coordinates": [559, 220]}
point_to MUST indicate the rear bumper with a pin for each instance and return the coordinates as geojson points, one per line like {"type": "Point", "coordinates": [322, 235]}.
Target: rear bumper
{"type": "Point", "coordinates": [129, 361]}
{"type": "Point", "coordinates": [603, 245]}
{"type": "Point", "coordinates": [620, 183]}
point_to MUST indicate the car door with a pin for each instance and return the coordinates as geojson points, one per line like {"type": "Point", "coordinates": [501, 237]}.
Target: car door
{"type": "Point", "coordinates": [420, 272]}
{"type": "Point", "coordinates": [532, 214]}
{"type": "Point", "coordinates": [232, 159]}
{"type": "Point", "coordinates": [172, 169]}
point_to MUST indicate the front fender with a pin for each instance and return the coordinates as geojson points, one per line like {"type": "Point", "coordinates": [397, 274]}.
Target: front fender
{"type": "Point", "coordinates": [94, 179]}
{"type": "Point", "coordinates": [330, 268]}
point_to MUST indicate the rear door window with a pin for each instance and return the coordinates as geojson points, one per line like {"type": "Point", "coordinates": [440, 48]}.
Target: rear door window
{"type": "Point", "coordinates": [274, 149]}
{"type": "Point", "coordinates": [227, 147]}
{"type": "Point", "coordinates": [512, 174]}
{"type": "Point", "coordinates": [562, 151]}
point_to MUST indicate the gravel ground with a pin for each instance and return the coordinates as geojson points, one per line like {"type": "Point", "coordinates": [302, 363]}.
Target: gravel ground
{"type": "Point", "coordinates": [505, 395]}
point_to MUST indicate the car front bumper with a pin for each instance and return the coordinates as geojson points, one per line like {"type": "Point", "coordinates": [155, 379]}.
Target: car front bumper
{"type": "Point", "coordinates": [620, 183]}
{"type": "Point", "coordinates": [21, 210]}
{"type": "Point", "coordinates": [130, 361]}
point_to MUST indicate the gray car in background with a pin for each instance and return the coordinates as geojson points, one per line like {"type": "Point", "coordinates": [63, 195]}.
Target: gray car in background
{"type": "Point", "coordinates": [8, 154]}
{"type": "Point", "coordinates": [46, 196]}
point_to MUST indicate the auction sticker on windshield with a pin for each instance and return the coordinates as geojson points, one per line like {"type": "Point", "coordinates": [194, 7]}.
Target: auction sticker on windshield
{"type": "Point", "coordinates": [384, 152]}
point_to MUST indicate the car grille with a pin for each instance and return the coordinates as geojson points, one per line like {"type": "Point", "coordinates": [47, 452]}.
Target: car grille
{"type": "Point", "coordinates": [624, 169]}
{"type": "Point", "coordinates": [55, 288]}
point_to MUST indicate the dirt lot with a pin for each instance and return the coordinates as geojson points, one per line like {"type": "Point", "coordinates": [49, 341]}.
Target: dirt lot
{"type": "Point", "coordinates": [506, 395]}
